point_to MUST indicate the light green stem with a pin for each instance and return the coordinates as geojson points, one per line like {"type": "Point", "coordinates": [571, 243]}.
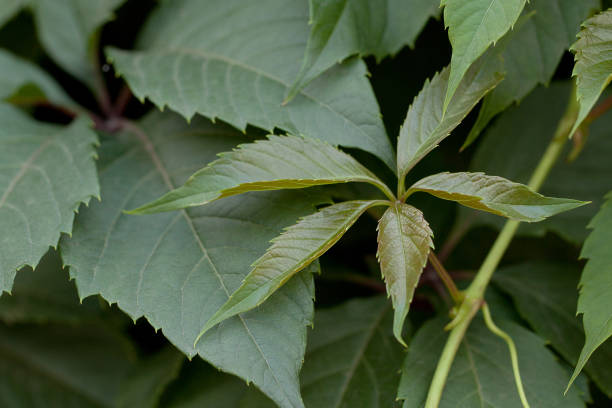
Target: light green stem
{"type": "Point", "coordinates": [513, 355]}
{"type": "Point", "coordinates": [474, 295]}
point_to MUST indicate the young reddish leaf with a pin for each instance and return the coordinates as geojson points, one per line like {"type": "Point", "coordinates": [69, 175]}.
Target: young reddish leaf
{"type": "Point", "coordinates": [291, 252]}
{"type": "Point", "coordinates": [593, 69]}
{"type": "Point", "coordinates": [426, 125]}
{"type": "Point", "coordinates": [494, 194]}
{"type": "Point", "coordinates": [281, 162]}
{"type": "Point", "coordinates": [404, 241]}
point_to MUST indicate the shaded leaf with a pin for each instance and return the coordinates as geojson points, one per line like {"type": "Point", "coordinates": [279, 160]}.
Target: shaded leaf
{"type": "Point", "coordinates": [472, 27]}
{"type": "Point", "coordinates": [61, 366]}
{"type": "Point", "coordinates": [47, 172]}
{"type": "Point", "coordinates": [545, 294]}
{"type": "Point", "coordinates": [18, 73]}
{"type": "Point", "coordinates": [46, 295]}
{"type": "Point", "coordinates": [296, 248]}
{"type": "Point", "coordinates": [593, 69]}
{"type": "Point", "coordinates": [426, 124]}
{"type": "Point", "coordinates": [281, 162]}
{"type": "Point", "coordinates": [342, 28]}
{"type": "Point", "coordinates": [495, 195]}
{"type": "Point", "coordinates": [209, 249]}
{"type": "Point", "coordinates": [236, 59]}
{"type": "Point", "coordinates": [145, 384]}
{"type": "Point", "coordinates": [481, 374]}
{"type": "Point", "coordinates": [514, 144]}
{"type": "Point", "coordinates": [531, 53]}
{"type": "Point", "coordinates": [594, 301]}
{"type": "Point", "coordinates": [404, 240]}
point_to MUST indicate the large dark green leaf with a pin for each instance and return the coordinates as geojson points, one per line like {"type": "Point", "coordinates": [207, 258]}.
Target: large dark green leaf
{"type": "Point", "coordinates": [545, 295]}
{"type": "Point", "coordinates": [296, 248]}
{"type": "Point", "coordinates": [47, 171]}
{"type": "Point", "coordinates": [495, 195]}
{"type": "Point", "coordinates": [341, 28]}
{"type": "Point", "coordinates": [472, 27]}
{"type": "Point", "coordinates": [481, 375]}
{"type": "Point", "coordinates": [178, 268]}
{"type": "Point", "coordinates": [426, 123]}
{"type": "Point", "coordinates": [513, 146]}
{"type": "Point", "coordinates": [61, 366]}
{"type": "Point", "coordinates": [404, 241]}
{"type": "Point", "coordinates": [146, 382]}
{"type": "Point", "coordinates": [236, 59]}
{"type": "Point", "coordinates": [281, 162]}
{"type": "Point", "coordinates": [532, 51]}
{"type": "Point", "coordinates": [593, 69]}
{"type": "Point", "coordinates": [595, 302]}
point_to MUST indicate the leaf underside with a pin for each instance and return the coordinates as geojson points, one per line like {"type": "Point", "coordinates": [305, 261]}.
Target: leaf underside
{"type": "Point", "coordinates": [495, 195]}
{"type": "Point", "coordinates": [280, 162]}
{"type": "Point", "coordinates": [47, 172]}
{"type": "Point", "coordinates": [404, 241]}
{"type": "Point", "coordinates": [293, 250]}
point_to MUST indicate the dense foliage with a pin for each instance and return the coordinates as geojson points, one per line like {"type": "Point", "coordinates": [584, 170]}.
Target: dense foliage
{"type": "Point", "coordinates": [181, 179]}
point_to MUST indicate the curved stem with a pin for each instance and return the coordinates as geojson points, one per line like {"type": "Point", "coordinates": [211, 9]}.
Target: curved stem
{"type": "Point", "coordinates": [445, 277]}
{"type": "Point", "coordinates": [474, 295]}
{"type": "Point", "coordinates": [513, 355]}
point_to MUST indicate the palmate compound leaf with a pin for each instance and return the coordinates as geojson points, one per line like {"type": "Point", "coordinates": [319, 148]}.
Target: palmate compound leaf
{"type": "Point", "coordinates": [593, 69]}
{"type": "Point", "coordinates": [494, 194]}
{"type": "Point", "coordinates": [72, 366]}
{"type": "Point", "coordinates": [594, 301]}
{"type": "Point", "coordinates": [235, 60]}
{"type": "Point", "coordinates": [545, 295]}
{"type": "Point", "coordinates": [426, 125]}
{"type": "Point", "coordinates": [481, 375]}
{"type": "Point", "coordinates": [281, 162]}
{"type": "Point", "coordinates": [404, 241]}
{"type": "Point", "coordinates": [472, 27]}
{"type": "Point", "coordinates": [531, 53]}
{"type": "Point", "coordinates": [293, 250]}
{"type": "Point", "coordinates": [46, 172]}
{"type": "Point", "coordinates": [67, 28]}
{"type": "Point", "coordinates": [341, 28]}
{"type": "Point", "coordinates": [514, 144]}
{"type": "Point", "coordinates": [177, 268]}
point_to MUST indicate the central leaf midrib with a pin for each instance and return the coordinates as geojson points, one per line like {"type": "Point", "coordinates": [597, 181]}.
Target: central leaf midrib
{"type": "Point", "coordinates": [150, 148]}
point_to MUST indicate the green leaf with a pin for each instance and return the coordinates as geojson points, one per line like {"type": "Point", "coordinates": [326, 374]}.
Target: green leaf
{"type": "Point", "coordinates": [18, 74]}
{"type": "Point", "coordinates": [281, 162]}
{"type": "Point", "coordinates": [47, 172]}
{"type": "Point", "coordinates": [472, 27]}
{"type": "Point", "coordinates": [514, 144]}
{"type": "Point", "coordinates": [208, 249]}
{"type": "Point", "coordinates": [342, 28]}
{"type": "Point", "coordinates": [545, 295]}
{"type": "Point", "coordinates": [236, 59]}
{"type": "Point", "coordinates": [426, 124]}
{"type": "Point", "coordinates": [61, 366]}
{"type": "Point", "coordinates": [46, 295]}
{"type": "Point", "coordinates": [290, 252]}
{"type": "Point", "coordinates": [495, 195]}
{"type": "Point", "coordinates": [552, 25]}
{"type": "Point", "coordinates": [593, 69]}
{"type": "Point", "coordinates": [8, 8]}
{"type": "Point", "coordinates": [68, 31]}
{"type": "Point", "coordinates": [481, 375]}
{"type": "Point", "coordinates": [147, 381]}
{"type": "Point", "coordinates": [594, 301]}
{"type": "Point", "coordinates": [404, 240]}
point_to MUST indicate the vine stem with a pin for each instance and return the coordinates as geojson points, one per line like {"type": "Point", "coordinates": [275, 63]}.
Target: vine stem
{"type": "Point", "coordinates": [445, 277]}
{"type": "Point", "coordinates": [474, 294]}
